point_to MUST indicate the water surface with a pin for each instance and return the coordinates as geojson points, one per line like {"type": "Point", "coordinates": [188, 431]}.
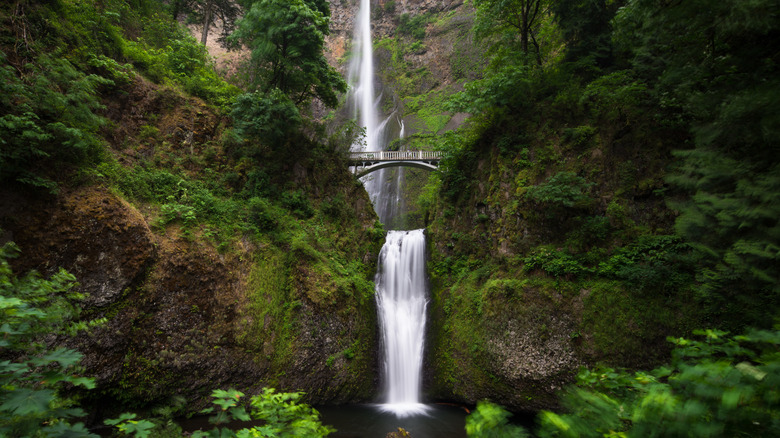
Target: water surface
{"type": "Point", "coordinates": [370, 421]}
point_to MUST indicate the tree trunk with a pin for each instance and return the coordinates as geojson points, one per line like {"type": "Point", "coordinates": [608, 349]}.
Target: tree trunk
{"type": "Point", "coordinates": [206, 22]}
{"type": "Point", "coordinates": [176, 9]}
{"type": "Point", "coordinates": [524, 34]}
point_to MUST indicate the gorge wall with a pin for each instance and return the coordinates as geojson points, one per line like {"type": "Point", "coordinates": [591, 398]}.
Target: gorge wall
{"type": "Point", "coordinates": [526, 292]}
{"type": "Point", "coordinates": [188, 312]}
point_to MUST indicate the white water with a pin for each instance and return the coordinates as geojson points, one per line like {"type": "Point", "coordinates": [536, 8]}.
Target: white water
{"type": "Point", "coordinates": [365, 104]}
{"type": "Point", "coordinates": [400, 280]}
{"type": "Point", "coordinates": [400, 287]}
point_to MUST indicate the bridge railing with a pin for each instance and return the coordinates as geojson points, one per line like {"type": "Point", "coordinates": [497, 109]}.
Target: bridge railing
{"type": "Point", "coordinates": [395, 155]}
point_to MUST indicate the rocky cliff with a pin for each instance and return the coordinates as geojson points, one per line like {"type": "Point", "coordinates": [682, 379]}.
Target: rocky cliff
{"type": "Point", "coordinates": [186, 313]}
{"type": "Point", "coordinates": [513, 314]}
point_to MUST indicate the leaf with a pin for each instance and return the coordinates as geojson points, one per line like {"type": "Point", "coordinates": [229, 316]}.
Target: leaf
{"type": "Point", "coordinates": [64, 356]}
{"type": "Point", "coordinates": [25, 401]}
{"type": "Point", "coordinates": [749, 370]}
{"type": "Point", "coordinates": [730, 398]}
{"type": "Point", "coordinates": [62, 429]}
{"type": "Point", "coordinates": [239, 413]}
{"type": "Point", "coordinates": [123, 417]}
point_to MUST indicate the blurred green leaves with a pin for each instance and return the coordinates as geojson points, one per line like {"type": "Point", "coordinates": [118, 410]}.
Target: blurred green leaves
{"type": "Point", "coordinates": [719, 386]}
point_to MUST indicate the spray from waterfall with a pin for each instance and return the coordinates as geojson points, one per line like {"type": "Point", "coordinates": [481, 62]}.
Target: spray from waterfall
{"type": "Point", "coordinates": [401, 301]}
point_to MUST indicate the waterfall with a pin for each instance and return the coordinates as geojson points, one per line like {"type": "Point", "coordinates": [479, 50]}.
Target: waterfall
{"type": "Point", "coordinates": [365, 105]}
{"type": "Point", "coordinates": [401, 301]}
{"type": "Point", "coordinates": [400, 279]}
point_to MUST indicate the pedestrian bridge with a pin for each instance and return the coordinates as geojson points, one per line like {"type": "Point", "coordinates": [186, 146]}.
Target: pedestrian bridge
{"type": "Point", "coordinates": [367, 162]}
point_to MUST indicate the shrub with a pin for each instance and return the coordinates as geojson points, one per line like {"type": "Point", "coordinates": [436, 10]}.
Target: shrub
{"type": "Point", "coordinates": [492, 421]}
{"type": "Point", "coordinates": [47, 119]}
{"type": "Point", "coordinates": [336, 207]}
{"type": "Point", "coordinates": [564, 189]}
{"type": "Point", "coordinates": [262, 214]}
{"type": "Point", "coordinates": [722, 386]}
{"type": "Point", "coordinates": [270, 118]}
{"type": "Point", "coordinates": [653, 262]}
{"type": "Point", "coordinates": [298, 204]}
{"type": "Point", "coordinates": [412, 26]}
{"type": "Point", "coordinates": [282, 415]}
{"type": "Point", "coordinates": [554, 262]}
{"type": "Point", "coordinates": [31, 375]}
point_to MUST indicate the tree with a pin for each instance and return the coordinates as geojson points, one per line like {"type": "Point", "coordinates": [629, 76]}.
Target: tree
{"type": "Point", "coordinates": [587, 29]}
{"type": "Point", "coordinates": [286, 38]}
{"type": "Point", "coordinates": [208, 12]}
{"type": "Point", "coordinates": [520, 17]}
{"type": "Point", "coordinates": [715, 68]}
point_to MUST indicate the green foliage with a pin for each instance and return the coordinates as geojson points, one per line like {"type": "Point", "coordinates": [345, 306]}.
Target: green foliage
{"type": "Point", "coordinates": [616, 96]}
{"type": "Point", "coordinates": [555, 262]}
{"type": "Point", "coordinates": [32, 375]}
{"type": "Point", "coordinates": [712, 68]}
{"type": "Point", "coordinates": [722, 386]}
{"type": "Point", "coordinates": [298, 204]}
{"type": "Point", "coordinates": [719, 387]}
{"type": "Point", "coordinates": [271, 118]}
{"type": "Point", "coordinates": [47, 119]}
{"type": "Point", "coordinates": [507, 88]}
{"type": "Point", "coordinates": [413, 26]}
{"type": "Point", "coordinates": [491, 421]}
{"type": "Point", "coordinates": [285, 416]}
{"type": "Point", "coordinates": [282, 414]}
{"type": "Point", "coordinates": [731, 221]}
{"type": "Point", "coordinates": [336, 208]}
{"type": "Point", "coordinates": [176, 56]}
{"type": "Point", "coordinates": [512, 28]}
{"type": "Point", "coordinates": [661, 263]}
{"type": "Point", "coordinates": [564, 189]}
{"type": "Point", "coordinates": [128, 425]}
{"type": "Point", "coordinates": [263, 215]}
{"type": "Point", "coordinates": [586, 27]}
{"type": "Point", "coordinates": [286, 38]}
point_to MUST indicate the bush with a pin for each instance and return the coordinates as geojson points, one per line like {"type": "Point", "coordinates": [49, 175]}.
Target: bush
{"type": "Point", "coordinates": [721, 386]}
{"type": "Point", "coordinates": [298, 204]}
{"type": "Point", "coordinates": [282, 415]}
{"type": "Point", "coordinates": [336, 207]}
{"type": "Point", "coordinates": [269, 118]}
{"type": "Point", "coordinates": [491, 421]}
{"type": "Point", "coordinates": [652, 263]}
{"type": "Point", "coordinates": [412, 26]}
{"type": "Point", "coordinates": [32, 376]}
{"type": "Point", "coordinates": [47, 119]}
{"type": "Point", "coordinates": [262, 215]}
{"type": "Point", "coordinates": [564, 189]}
{"type": "Point", "coordinates": [554, 262]}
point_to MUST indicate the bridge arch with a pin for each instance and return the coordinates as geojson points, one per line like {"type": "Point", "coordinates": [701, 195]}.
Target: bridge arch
{"type": "Point", "coordinates": [367, 162]}
{"type": "Point", "coordinates": [363, 171]}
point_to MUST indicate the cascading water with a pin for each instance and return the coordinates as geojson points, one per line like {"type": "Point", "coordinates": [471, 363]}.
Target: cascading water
{"type": "Point", "coordinates": [400, 281]}
{"type": "Point", "coordinates": [365, 105]}
{"type": "Point", "coordinates": [400, 287]}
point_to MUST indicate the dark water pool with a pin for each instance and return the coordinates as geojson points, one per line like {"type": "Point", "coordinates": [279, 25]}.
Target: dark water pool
{"type": "Point", "coordinates": [369, 421]}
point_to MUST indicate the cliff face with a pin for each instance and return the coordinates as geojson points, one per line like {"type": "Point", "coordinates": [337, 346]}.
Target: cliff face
{"type": "Point", "coordinates": [439, 43]}
{"type": "Point", "coordinates": [499, 328]}
{"type": "Point", "coordinates": [185, 315]}
{"type": "Point", "coordinates": [527, 290]}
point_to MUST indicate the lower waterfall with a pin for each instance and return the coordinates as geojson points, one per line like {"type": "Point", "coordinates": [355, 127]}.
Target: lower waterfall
{"type": "Point", "coordinates": [401, 303]}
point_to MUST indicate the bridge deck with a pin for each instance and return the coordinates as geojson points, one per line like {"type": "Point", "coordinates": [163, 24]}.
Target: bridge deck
{"type": "Point", "coordinates": [377, 156]}
{"type": "Point", "coordinates": [368, 161]}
